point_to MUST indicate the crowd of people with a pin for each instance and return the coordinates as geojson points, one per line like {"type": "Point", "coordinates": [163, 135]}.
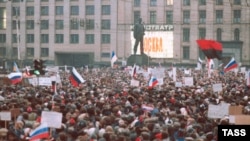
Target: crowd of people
{"type": "Point", "coordinates": [107, 108]}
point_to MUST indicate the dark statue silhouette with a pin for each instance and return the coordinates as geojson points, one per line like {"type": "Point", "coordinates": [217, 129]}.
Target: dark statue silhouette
{"type": "Point", "coordinates": [138, 35]}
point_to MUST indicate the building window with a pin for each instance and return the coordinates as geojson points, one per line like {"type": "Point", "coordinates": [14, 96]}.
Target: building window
{"type": "Point", "coordinates": [59, 10]}
{"type": "Point", "coordinates": [74, 10]}
{"type": "Point", "coordinates": [44, 24]}
{"type": "Point", "coordinates": [219, 2]}
{"type": "Point", "coordinates": [106, 24]}
{"type": "Point", "coordinates": [236, 34]}
{"type": "Point", "coordinates": [202, 33]}
{"type": "Point", "coordinates": [202, 16]}
{"type": "Point", "coordinates": [152, 17]}
{"type": "Point", "coordinates": [14, 51]}
{"type": "Point", "coordinates": [137, 15]}
{"type": "Point", "coordinates": [237, 16]}
{"type": "Point", "coordinates": [186, 2]}
{"type": "Point", "coordinates": [153, 2]}
{"type": "Point", "coordinates": [15, 11]}
{"type": "Point", "coordinates": [89, 39]}
{"type": "Point", "coordinates": [30, 38]}
{"type": "Point", "coordinates": [105, 38]}
{"type": "Point", "coordinates": [169, 17]}
{"type": "Point", "coordinates": [59, 38]}
{"type": "Point", "coordinates": [14, 38]}
{"type": "Point", "coordinates": [74, 38]}
{"type": "Point", "coordinates": [202, 55]}
{"type": "Point", "coordinates": [2, 51]}
{"type": "Point", "coordinates": [44, 10]}
{"type": "Point", "coordinates": [186, 34]}
{"type": "Point", "coordinates": [137, 3]}
{"type": "Point", "coordinates": [237, 2]}
{"type": "Point", "coordinates": [90, 10]}
{"type": "Point", "coordinates": [44, 38]}
{"type": "Point", "coordinates": [186, 52]}
{"type": "Point", "coordinates": [14, 22]}
{"type": "Point", "coordinates": [74, 24]}
{"type": "Point", "coordinates": [2, 38]}
{"type": "Point", "coordinates": [30, 11]}
{"type": "Point", "coordinates": [3, 16]}
{"type": "Point", "coordinates": [202, 2]}
{"type": "Point", "coordinates": [30, 24]}
{"type": "Point", "coordinates": [59, 24]}
{"type": "Point", "coordinates": [219, 16]}
{"type": "Point", "coordinates": [44, 52]}
{"type": "Point", "coordinates": [90, 24]}
{"type": "Point", "coordinates": [30, 52]}
{"type": "Point", "coordinates": [219, 34]}
{"type": "Point", "coordinates": [105, 9]}
{"type": "Point", "coordinates": [186, 17]}
{"type": "Point", "coordinates": [105, 55]}
{"type": "Point", "coordinates": [170, 2]}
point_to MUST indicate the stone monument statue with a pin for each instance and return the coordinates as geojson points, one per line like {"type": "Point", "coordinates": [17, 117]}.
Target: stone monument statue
{"type": "Point", "coordinates": [138, 35]}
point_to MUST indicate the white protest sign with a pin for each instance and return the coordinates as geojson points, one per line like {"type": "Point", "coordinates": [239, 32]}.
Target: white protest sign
{"type": "Point", "coordinates": [242, 69]}
{"type": "Point", "coordinates": [56, 78]}
{"type": "Point", "coordinates": [218, 111]}
{"type": "Point", "coordinates": [52, 119]}
{"type": "Point", "coordinates": [52, 69]}
{"type": "Point", "coordinates": [188, 81]}
{"type": "Point", "coordinates": [231, 119]}
{"type": "Point", "coordinates": [178, 84]}
{"type": "Point", "coordinates": [42, 81]}
{"type": "Point", "coordinates": [248, 78]}
{"type": "Point", "coordinates": [158, 72]}
{"type": "Point", "coordinates": [160, 81]}
{"type": "Point", "coordinates": [217, 87]}
{"type": "Point", "coordinates": [6, 116]}
{"type": "Point", "coordinates": [174, 73]}
{"type": "Point", "coordinates": [134, 82]}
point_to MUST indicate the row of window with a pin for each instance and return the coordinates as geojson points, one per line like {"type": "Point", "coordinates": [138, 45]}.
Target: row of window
{"type": "Point", "coordinates": [44, 52]}
{"type": "Point", "coordinates": [59, 10]}
{"type": "Point", "coordinates": [138, 3]}
{"type": "Point", "coordinates": [59, 38]}
{"type": "Point", "coordinates": [202, 34]}
{"type": "Point", "coordinates": [187, 16]}
{"type": "Point", "coordinates": [75, 24]}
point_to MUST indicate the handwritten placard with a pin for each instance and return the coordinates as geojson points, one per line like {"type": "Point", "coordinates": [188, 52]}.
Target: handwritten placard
{"type": "Point", "coordinates": [134, 83]}
{"type": "Point", "coordinates": [6, 116]}
{"type": "Point", "coordinates": [52, 119]}
{"type": "Point", "coordinates": [217, 87]}
{"type": "Point", "coordinates": [218, 111]}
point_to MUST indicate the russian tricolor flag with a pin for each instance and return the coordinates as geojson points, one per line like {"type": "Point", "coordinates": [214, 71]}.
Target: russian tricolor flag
{"type": "Point", "coordinates": [231, 65]}
{"type": "Point", "coordinates": [41, 132]}
{"type": "Point", "coordinates": [75, 78]}
{"type": "Point", "coordinates": [15, 77]}
{"type": "Point", "coordinates": [152, 82]}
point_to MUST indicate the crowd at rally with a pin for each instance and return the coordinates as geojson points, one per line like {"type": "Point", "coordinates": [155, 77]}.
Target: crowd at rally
{"type": "Point", "coordinates": [107, 108]}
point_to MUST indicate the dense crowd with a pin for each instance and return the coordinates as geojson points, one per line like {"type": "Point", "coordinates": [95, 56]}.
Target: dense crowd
{"type": "Point", "coordinates": [107, 108]}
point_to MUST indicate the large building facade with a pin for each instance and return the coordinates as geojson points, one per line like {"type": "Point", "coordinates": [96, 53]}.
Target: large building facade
{"type": "Point", "coordinates": [84, 32]}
